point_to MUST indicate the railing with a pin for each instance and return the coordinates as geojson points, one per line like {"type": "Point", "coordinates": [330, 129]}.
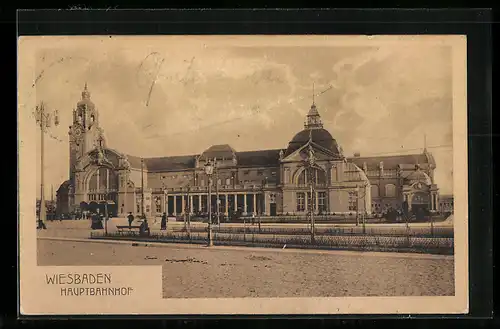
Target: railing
{"type": "Point", "coordinates": [347, 242]}
{"type": "Point", "coordinates": [101, 191]}
{"type": "Point", "coordinates": [223, 187]}
{"type": "Point", "coordinates": [436, 232]}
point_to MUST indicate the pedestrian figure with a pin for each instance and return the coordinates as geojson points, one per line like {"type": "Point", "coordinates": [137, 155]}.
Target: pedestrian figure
{"type": "Point", "coordinates": [95, 221]}
{"type": "Point", "coordinates": [130, 220]}
{"type": "Point", "coordinates": [253, 218]}
{"type": "Point", "coordinates": [41, 225]}
{"type": "Point", "coordinates": [164, 222]}
{"type": "Point", "coordinates": [144, 228]}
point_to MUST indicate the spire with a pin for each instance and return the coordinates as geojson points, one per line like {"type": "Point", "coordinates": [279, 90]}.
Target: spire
{"type": "Point", "coordinates": [313, 94]}
{"type": "Point", "coordinates": [85, 92]}
{"type": "Point", "coordinates": [425, 143]}
{"type": "Point", "coordinates": [313, 119]}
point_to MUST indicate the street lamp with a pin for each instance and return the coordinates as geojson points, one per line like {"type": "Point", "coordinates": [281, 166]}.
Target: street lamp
{"type": "Point", "coordinates": [142, 189]}
{"type": "Point", "coordinates": [165, 196]}
{"type": "Point", "coordinates": [187, 222]}
{"type": "Point", "coordinates": [106, 214]}
{"type": "Point", "coordinates": [209, 170]}
{"type": "Point", "coordinates": [311, 165]}
{"type": "Point", "coordinates": [217, 194]}
{"type": "Point", "coordinates": [44, 121]}
{"type": "Point", "coordinates": [357, 207]}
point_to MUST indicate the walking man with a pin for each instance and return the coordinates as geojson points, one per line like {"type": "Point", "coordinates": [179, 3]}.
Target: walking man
{"type": "Point", "coordinates": [130, 220]}
{"type": "Point", "coordinates": [164, 222]}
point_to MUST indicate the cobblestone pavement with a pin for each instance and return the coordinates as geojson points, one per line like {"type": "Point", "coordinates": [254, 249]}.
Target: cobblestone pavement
{"type": "Point", "coordinates": [225, 272]}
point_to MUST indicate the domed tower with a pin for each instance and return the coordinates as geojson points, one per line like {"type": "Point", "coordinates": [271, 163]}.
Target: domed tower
{"type": "Point", "coordinates": [314, 131]}
{"type": "Point", "coordinates": [329, 183]}
{"type": "Point", "coordinates": [84, 131]}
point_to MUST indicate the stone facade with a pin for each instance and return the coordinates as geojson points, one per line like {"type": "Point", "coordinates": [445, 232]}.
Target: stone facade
{"type": "Point", "coordinates": [268, 182]}
{"type": "Point", "coordinates": [446, 203]}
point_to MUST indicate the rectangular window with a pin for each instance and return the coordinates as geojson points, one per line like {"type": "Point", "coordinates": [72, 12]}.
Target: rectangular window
{"type": "Point", "coordinates": [273, 173]}
{"type": "Point", "coordinates": [352, 201]}
{"type": "Point", "coordinates": [246, 172]}
{"type": "Point", "coordinates": [260, 172]}
{"type": "Point", "coordinates": [321, 201]}
{"type": "Point", "coordinates": [301, 206]}
{"type": "Point", "coordinates": [311, 203]}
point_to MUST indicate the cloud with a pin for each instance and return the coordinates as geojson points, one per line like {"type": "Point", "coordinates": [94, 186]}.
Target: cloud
{"type": "Point", "coordinates": [371, 99]}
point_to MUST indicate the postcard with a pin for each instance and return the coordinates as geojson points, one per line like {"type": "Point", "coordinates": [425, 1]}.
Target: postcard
{"type": "Point", "coordinates": [193, 175]}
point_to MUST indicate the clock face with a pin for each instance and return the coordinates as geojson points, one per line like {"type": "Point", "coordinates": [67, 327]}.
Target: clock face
{"type": "Point", "coordinates": [77, 131]}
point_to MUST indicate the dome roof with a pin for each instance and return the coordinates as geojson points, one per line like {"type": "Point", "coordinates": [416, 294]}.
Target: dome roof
{"type": "Point", "coordinates": [419, 176]}
{"type": "Point", "coordinates": [86, 98]}
{"type": "Point", "coordinates": [319, 136]}
{"type": "Point", "coordinates": [88, 102]}
{"type": "Point", "coordinates": [219, 152]}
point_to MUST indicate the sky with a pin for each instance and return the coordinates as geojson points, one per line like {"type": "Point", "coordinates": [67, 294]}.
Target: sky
{"type": "Point", "coordinates": [180, 95]}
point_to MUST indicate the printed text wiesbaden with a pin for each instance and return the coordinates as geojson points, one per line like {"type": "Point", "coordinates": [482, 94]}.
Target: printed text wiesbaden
{"type": "Point", "coordinates": [67, 279]}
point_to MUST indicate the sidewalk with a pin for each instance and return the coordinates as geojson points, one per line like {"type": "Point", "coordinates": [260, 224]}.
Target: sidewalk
{"type": "Point", "coordinates": [81, 228]}
{"type": "Point", "coordinates": [250, 249]}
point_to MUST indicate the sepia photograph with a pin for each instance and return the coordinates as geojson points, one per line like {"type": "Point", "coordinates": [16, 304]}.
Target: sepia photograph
{"type": "Point", "coordinates": [243, 174]}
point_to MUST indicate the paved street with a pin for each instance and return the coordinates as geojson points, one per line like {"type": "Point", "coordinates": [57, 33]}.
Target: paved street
{"type": "Point", "coordinates": [195, 271]}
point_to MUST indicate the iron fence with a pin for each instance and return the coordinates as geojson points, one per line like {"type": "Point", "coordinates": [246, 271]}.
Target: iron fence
{"type": "Point", "coordinates": [346, 242]}
{"type": "Point", "coordinates": [436, 232]}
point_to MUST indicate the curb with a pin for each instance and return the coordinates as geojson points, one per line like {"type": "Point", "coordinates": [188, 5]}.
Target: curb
{"type": "Point", "coordinates": [253, 249]}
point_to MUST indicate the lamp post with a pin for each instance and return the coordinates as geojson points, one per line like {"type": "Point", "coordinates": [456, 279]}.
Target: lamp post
{"type": "Point", "coordinates": [209, 170]}
{"type": "Point", "coordinates": [165, 198]}
{"type": "Point", "coordinates": [100, 162]}
{"type": "Point", "coordinates": [262, 203]}
{"type": "Point", "coordinates": [106, 214]}
{"type": "Point", "coordinates": [142, 189]}
{"type": "Point", "coordinates": [312, 191]}
{"type": "Point", "coordinates": [188, 211]}
{"type": "Point", "coordinates": [311, 164]}
{"type": "Point", "coordinates": [44, 121]}
{"type": "Point", "coordinates": [217, 193]}
{"type": "Point", "coordinates": [357, 207]}
{"type": "Point", "coordinates": [432, 223]}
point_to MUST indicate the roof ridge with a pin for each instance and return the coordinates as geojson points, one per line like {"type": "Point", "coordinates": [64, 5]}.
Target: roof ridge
{"type": "Point", "coordinates": [384, 156]}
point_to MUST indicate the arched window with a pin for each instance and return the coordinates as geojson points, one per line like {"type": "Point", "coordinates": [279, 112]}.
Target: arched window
{"type": "Point", "coordinates": [374, 191]}
{"type": "Point", "coordinates": [318, 175]}
{"type": "Point", "coordinates": [302, 178]}
{"type": "Point", "coordinates": [104, 179]}
{"type": "Point", "coordinates": [390, 190]}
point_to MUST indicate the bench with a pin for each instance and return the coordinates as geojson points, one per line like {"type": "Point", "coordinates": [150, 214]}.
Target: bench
{"type": "Point", "coordinates": [126, 227]}
{"type": "Point", "coordinates": [121, 228]}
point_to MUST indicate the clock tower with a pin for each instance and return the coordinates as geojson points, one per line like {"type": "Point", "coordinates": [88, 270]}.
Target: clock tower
{"type": "Point", "coordinates": [84, 132]}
